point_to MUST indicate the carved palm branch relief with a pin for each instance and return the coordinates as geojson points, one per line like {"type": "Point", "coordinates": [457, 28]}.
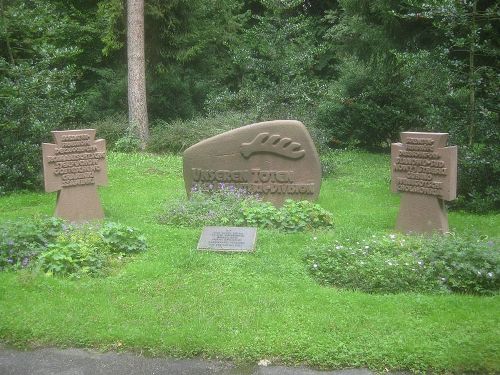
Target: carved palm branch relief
{"type": "Point", "coordinates": [274, 144]}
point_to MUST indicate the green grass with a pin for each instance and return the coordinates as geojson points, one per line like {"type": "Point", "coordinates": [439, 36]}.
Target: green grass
{"type": "Point", "coordinates": [174, 300]}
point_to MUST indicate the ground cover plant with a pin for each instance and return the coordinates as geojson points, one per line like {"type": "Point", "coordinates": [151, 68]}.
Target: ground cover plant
{"type": "Point", "coordinates": [396, 263]}
{"type": "Point", "coordinates": [55, 247]}
{"type": "Point", "coordinates": [230, 206]}
{"type": "Point", "coordinates": [173, 300]}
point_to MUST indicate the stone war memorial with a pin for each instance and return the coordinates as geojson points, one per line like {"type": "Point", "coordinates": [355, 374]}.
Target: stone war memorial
{"type": "Point", "coordinates": [425, 171]}
{"type": "Point", "coordinates": [73, 167]}
{"type": "Point", "coordinates": [276, 160]}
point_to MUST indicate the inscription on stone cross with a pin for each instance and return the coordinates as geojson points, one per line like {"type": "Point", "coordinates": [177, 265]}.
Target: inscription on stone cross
{"type": "Point", "coordinates": [276, 160]}
{"type": "Point", "coordinates": [73, 167]}
{"type": "Point", "coordinates": [425, 171]}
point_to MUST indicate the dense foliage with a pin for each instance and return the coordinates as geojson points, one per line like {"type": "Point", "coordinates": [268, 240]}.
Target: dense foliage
{"type": "Point", "coordinates": [357, 72]}
{"type": "Point", "coordinates": [55, 247]}
{"type": "Point", "coordinates": [235, 207]}
{"type": "Point", "coordinates": [396, 263]}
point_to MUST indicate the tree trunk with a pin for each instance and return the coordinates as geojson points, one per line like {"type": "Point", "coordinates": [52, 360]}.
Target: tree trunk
{"type": "Point", "coordinates": [472, 76]}
{"type": "Point", "coordinates": [137, 107]}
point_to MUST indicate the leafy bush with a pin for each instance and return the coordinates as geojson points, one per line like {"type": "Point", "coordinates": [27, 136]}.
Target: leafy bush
{"type": "Point", "coordinates": [80, 251]}
{"type": "Point", "coordinates": [280, 61]}
{"type": "Point", "coordinates": [22, 241]}
{"type": "Point", "coordinates": [122, 239]}
{"type": "Point", "coordinates": [111, 128]}
{"type": "Point", "coordinates": [228, 206]}
{"type": "Point", "coordinates": [293, 216]}
{"type": "Point", "coordinates": [106, 95]}
{"type": "Point", "coordinates": [30, 110]}
{"type": "Point", "coordinates": [41, 62]}
{"type": "Point", "coordinates": [328, 164]}
{"type": "Point", "coordinates": [478, 178]}
{"type": "Point", "coordinates": [58, 248]}
{"type": "Point", "coordinates": [128, 143]}
{"type": "Point", "coordinates": [220, 207]}
{"type": "Point", "coordinates": [118, 133]}
{"type": "Point", "coordinates": [397, 263]}
{"type": "Point", "coordinates": [370, 104]}
{"type": "Point", "coordinates": [178, 135]}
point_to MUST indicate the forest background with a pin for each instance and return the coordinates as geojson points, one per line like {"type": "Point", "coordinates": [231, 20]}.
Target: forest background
{"type": "Point", "coordinates": [356, 72]}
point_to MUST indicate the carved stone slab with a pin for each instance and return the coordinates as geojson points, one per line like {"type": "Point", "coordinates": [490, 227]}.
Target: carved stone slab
{"type": "Point", "coordinates": [425, 171]}
{"type": "Point", "coordinates": [276, 160]}
{"type": "Point", "coordinates": [74, 166]}
{"type": "Point", "coordinates": [228, 239]}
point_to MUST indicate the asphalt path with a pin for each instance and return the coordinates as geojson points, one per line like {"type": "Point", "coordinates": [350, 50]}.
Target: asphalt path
{"type": "Point", "coordinates": [52, 361]}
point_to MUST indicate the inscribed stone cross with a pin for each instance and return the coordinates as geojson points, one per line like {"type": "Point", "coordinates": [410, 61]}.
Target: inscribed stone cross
{"type": "Point", "coordinates": [425, 171]}
{"type": "Point", "coordinates": [73, 167]}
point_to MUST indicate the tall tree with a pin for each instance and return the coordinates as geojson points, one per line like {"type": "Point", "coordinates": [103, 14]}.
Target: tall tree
{"type": "Point", "coordinates": [137, 105]}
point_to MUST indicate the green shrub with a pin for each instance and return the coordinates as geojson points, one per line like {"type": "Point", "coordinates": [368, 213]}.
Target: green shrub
{"type": "Point", "coordinates": [117, 132]}
{"type": "Point", "coordinates": [397, 263]}
{"type": "Point", "coordinates": [128, 143]}
{"type": "Point", "coordinates": [178, 135]}
{"type": "Point", "coordinates": [478, 178]}
{"type": "Point", "coordinates": [30, 109]}
{"type": "Point", "coordinates": [328, 164]}
{"type": "Point", "coordinates": [303, 215]}
{"type": "Point", "coordinates": [122, 239]}
{"type": "Point", "coordinates": [58, 248]}
{"type": "Point", "coordinates": [220, 207]}
{"type": "Point", "coordinates": [111, 128]}
{"type": "Point", "coordinates": [80, 251]}
{"type": "Point", "coordinates": [464, 265]}
{"type": "Point", "coordinates": [22, 241]}
{"type": "Point", "coordinates": [293, 216]}
{"type": "Point", "coordinates": [229, 206]}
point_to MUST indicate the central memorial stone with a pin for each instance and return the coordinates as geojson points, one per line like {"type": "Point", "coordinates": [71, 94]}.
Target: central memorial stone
{"type": "Point", "coordinates": [275, 159]}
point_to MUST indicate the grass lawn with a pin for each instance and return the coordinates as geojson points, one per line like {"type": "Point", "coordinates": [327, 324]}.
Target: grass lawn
{"type": "Point", "coordinates": [173, 300]}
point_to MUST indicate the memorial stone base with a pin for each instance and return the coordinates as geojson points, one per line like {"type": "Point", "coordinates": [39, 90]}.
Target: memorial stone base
{"type": "Point", "coordinates": [422, 214]}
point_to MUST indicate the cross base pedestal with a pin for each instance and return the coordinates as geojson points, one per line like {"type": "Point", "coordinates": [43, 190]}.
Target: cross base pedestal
{"type": "Point", "coordinates": [79, 203]}
{"type": "Point", "coordinates": [422, 214]}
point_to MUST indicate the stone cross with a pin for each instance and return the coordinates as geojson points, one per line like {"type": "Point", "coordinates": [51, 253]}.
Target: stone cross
{"type": "Point", "coordinates": [73, 167]}
{"type": "Point", "coordinates": [425, 171]}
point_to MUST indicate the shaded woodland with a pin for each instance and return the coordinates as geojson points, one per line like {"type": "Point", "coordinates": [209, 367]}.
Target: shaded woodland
{"type": "Point", "coordinates": [356, 72]}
